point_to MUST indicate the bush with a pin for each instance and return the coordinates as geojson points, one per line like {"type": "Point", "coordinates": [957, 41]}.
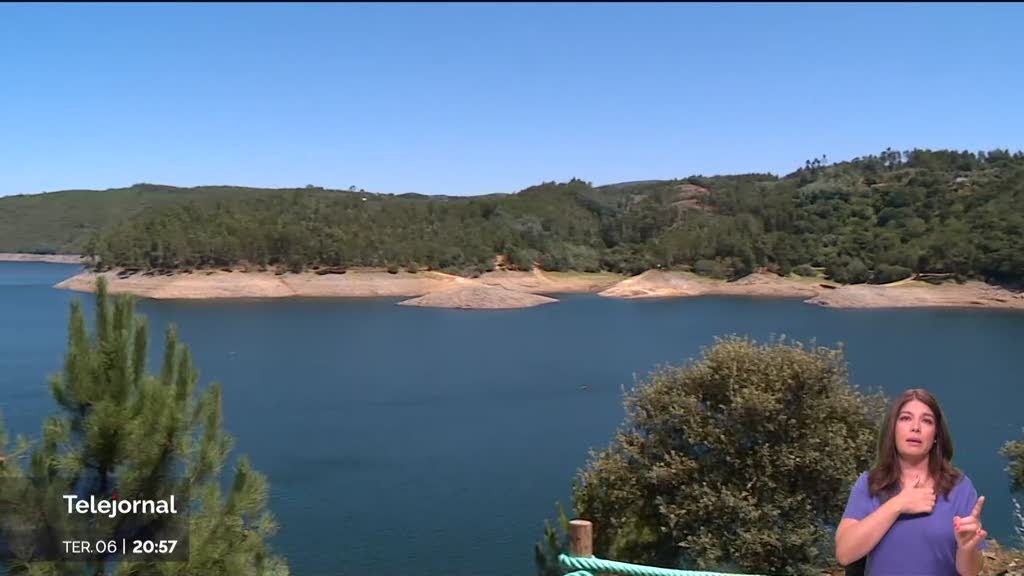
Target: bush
{"type": "Point", "coordinates": [583, 258]}
{"type": "Point", "coordinates": [711, 268]}
{"type": "Point", "coordinates": [1014, 452]}
{"type": "Point", "coordinates": [849, 271]}
{"type": "Point", "coordinates": [625, 263]}
{"type": "Point", "coordinates": [412, 267]}
{"type": "Point", "coordinates": [467, 271]}
{"type": "Point", "coordinates": [296, 264]}
{"type": "Point", "coordinates": [522, 259]}
{"type": "Point", "coordinates": [742, 461]}
{"type": "Point", "coordinates": [805, 270]}
{"type": "Point", "coordinates": [885, 274]}
{"type": "Point", "coordinates": [554, 542]}
{"type": "Point", "coordinates": [392, 269]}
{"type": "Point", "coordinates": [554, 262]}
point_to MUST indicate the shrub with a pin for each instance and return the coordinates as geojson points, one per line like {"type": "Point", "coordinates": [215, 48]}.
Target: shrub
{"type": "Point", "coordinates": [805, 270]}
{"type": "Point", "coordinates": [711, 268]}
{"type": "Point", "coordinates": [885, 274]}
{"type": "Point", "coordinates": [742, 461]}
{"type": "Point", "coordinates": [852, 271]}
{"type": "Point", "coordinates": [522, 259]}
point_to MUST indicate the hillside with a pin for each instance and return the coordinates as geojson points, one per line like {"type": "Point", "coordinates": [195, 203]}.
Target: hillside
{"type": "Point", "coordinates": [876, 219]}
{"type": "Point", "coordinates": [63, 222]}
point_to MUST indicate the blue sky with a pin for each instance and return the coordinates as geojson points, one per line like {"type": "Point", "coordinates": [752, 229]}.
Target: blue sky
{"type": "Point", "coordinates": [480, 98]}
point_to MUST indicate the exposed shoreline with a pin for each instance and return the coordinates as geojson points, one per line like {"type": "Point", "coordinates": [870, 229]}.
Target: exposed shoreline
{"type": "Point", "coordinates": [479, 297]}
{"type": "Point", "coordinates": [499, 289]}
{"type": "Point", "coordinates": [511, 289]}
{"type": "Point", "coordinates": [971, 294]}
{"type": "Point", "coordinates": [903, 294]}
{"type": "Point", "coordinates": [48, 258]}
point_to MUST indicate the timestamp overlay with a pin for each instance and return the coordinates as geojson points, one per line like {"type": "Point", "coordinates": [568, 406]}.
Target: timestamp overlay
{"type": "Point", "coordinates": [64, 520]}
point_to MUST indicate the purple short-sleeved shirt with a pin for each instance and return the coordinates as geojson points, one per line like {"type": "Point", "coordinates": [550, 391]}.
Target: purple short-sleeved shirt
{"type": "Point", "coordinates": [918, 544]}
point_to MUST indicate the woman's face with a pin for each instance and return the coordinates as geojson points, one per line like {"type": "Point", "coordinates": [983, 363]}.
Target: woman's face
{"type": "Point", "coordinates": [915, 429]}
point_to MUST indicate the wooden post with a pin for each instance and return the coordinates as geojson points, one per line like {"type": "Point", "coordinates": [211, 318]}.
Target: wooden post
{"type": "Point", "coordinates": [581, 538]}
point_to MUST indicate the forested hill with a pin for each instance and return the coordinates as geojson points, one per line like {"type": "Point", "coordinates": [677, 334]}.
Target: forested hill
{"type": "Point", "coordinates": [872, 219]}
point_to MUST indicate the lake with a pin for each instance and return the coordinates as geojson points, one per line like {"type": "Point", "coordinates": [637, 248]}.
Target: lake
{"type": "Point", "coordinates": [400, 440]}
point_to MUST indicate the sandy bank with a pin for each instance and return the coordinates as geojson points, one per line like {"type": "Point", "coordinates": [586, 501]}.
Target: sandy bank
{"type": "Point", "coordinates": [479, 297]}
{"type": "Point", "coordinates": [500, 289]}
{"type": "Point", "coordinates": [51, 258]}
{"type": "Point", "coordinates": [219, 284]}
{"type": "Point", "coordinates": [663, 284]}
{"type": "Point", "coordinates": [538, 282]}
{"type": "Point", "coordinates": [971, 294]}
{"type": "Point", "coordinates": [508, 285]}
{"type": "Point", "coordinates": [902, 294]}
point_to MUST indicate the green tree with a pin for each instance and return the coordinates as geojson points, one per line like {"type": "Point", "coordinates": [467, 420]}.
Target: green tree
{"type": "Point", "coordinates": [805, 270]}
{"type": "Point", "coordinates": [849, 271]}
{"type": "Point", "coordinates": [885, 274]}
{"type": "Point", "coordinates": [742, 461]}
{"type": "Point", "coordinates": [554, 542]}
{"type": "Point", "coordinates": [152, 435]}
{"type": "Point", "coordinates": [927, 211]}
{"type": "Point", "coordinates": [522, 259]}
{"type": "Point", "coordinates": [1013, 451]}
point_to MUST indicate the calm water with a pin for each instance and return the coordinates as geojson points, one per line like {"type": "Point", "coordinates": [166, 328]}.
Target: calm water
{"type": "Point", "coordinates": [402, 439]}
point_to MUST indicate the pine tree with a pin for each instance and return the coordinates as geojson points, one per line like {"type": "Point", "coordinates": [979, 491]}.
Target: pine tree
{"type": "Point", "coordinates": [554, 543]}
{"type": "Point", "coordinates": [151, 435]}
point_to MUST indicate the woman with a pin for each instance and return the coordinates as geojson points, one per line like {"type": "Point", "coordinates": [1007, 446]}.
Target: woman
{"type": "Point", "coordinates": [913, 513]}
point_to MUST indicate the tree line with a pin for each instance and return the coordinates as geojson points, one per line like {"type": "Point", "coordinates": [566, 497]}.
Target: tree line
{"type": "Point", "coordinates": [876, 219]}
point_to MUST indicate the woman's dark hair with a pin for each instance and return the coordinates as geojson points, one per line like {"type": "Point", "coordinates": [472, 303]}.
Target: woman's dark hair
{"type": "Point", "coordinates": [884, 478]}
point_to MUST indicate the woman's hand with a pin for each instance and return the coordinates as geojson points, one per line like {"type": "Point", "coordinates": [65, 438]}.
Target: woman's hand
{"type": "Point", "coordinates": [968, 529]}
{"type": "Point", "coordinates": [916, 499]}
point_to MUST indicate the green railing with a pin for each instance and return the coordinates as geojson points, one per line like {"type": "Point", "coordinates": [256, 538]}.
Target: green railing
{"type": "Point", "coordinates": [589, 566]}
{"type": "Point", "coordinates": [583, 563]}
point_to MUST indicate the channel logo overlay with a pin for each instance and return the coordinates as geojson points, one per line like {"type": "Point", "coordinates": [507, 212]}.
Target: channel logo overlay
{"type": "Point", "coordinates": [46, 520]}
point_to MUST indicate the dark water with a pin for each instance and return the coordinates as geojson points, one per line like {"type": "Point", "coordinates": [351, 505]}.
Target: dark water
{"type": "Point", "coordinates": [401, 440]}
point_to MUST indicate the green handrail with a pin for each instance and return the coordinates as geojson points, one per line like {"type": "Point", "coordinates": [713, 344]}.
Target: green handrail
{"type": "Point", "coordinates": [587, 567]}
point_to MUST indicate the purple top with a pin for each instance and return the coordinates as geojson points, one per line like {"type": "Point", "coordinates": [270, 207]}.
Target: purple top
{"type": "Point", "coordinates": [917, 544]}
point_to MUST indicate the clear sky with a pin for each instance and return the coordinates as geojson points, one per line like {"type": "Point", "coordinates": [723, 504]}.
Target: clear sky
{"type": "Point", "coordinates": [480, 98]}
